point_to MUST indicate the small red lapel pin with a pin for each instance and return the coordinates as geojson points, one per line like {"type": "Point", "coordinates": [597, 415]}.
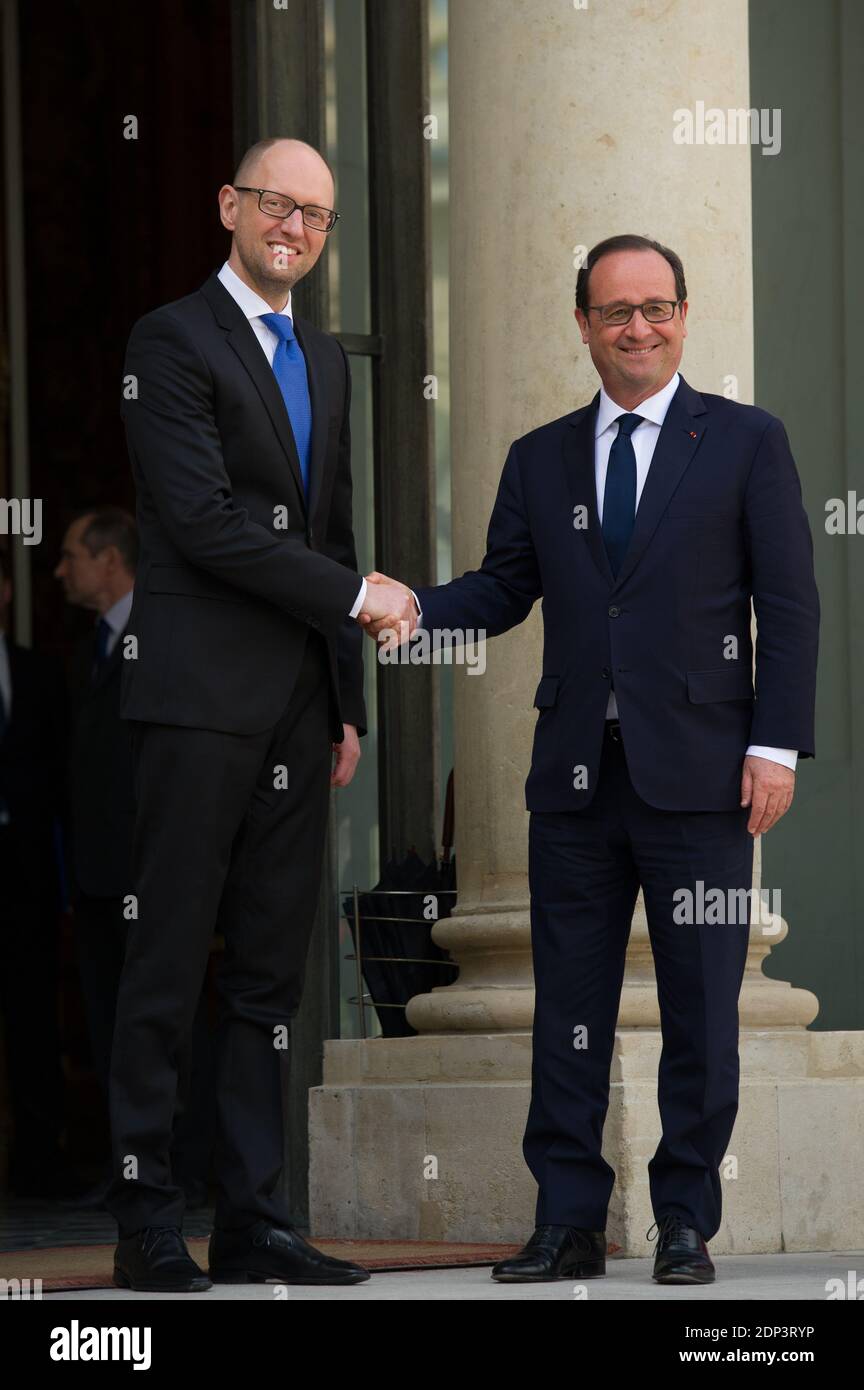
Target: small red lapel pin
{"type": "Point", "coordinates": [692, 434]}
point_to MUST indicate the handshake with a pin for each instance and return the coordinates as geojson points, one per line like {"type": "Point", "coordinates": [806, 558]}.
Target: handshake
{"type": "Point", "coordinates": [389, 613]}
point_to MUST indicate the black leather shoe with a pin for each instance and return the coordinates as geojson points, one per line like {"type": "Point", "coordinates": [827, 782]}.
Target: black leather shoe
{"type": "Point", "coordinates": [681, 1256]}
{"type": "Point", "coordinates": [264, 1251]}
{"type": "Point", "coordinates": [555, 1252]}
{"type": "Point", "coordinates": [156, 1259]}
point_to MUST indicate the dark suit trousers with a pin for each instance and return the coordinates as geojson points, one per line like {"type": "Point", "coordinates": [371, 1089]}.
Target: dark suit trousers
{"type": "Point", "coordinates": [221, 844]}
{"type": "Point", "coordinates": [101, 929]}
{"type": "Point", "coordinates": [585, 870]}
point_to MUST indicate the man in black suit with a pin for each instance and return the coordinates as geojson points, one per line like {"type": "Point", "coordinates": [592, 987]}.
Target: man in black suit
{"type": "Point", "coordinates": [97, 565]}
{"type": "Point", "coordinates": [32, 742]}
{"type": "Point", "coordinates": [243, 676]}
{"type": "Point", "coordinates": [647, 521]}
{"type": "Point", "coordinates": [97, 570]}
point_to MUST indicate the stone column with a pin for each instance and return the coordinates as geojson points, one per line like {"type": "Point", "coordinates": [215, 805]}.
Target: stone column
{"type": "Point", "coordinates": [561, 131]}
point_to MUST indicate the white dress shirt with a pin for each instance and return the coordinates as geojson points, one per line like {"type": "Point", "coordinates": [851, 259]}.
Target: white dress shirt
{"type": "Point", "coordinates": [253, 307]}
{"type": "Point", "coordinates": [644, 439]}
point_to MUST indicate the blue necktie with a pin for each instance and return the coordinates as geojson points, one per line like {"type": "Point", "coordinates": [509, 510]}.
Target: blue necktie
{"type": "Point", "coordinates": [289, 368]}
{"type": "Point", "coordinates": [100, 654]}
{"type": "Point", "coordinates": [619, 497]}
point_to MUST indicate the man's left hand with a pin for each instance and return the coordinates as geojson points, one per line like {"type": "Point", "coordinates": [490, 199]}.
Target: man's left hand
{"type": "Point", "coordinates": [767, 788]}
{"type": "Point", "coordinates": [347, 757]}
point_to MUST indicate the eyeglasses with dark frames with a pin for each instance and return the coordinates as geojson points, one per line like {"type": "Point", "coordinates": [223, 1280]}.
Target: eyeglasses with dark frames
{"type": "Point", "coordinates": [280, 205]}
{"type": "Point", "coordinates": [653, 311]}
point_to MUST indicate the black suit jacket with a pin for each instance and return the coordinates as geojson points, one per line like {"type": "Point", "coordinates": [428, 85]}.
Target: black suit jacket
{"type": "Point", "coordinates": [235, 567]}
{"type": "Point", "coordinates": [720, 520]}
{"type": "Point", "coordinates": [100, 796]}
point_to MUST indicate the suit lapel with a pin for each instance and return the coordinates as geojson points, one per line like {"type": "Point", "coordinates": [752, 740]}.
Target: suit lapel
{"type": "Point", "coordinates": [316, 373]}
{"type": "Point", "coordinates": [679, 438]}
{"type": "Point", "coordinates": [582, 485]}
{"type": "Point", "coordinates": [241, 337]}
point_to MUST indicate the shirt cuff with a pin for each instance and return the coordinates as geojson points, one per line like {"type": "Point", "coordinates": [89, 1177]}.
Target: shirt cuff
{"type": "Point", "coordinates": [358, 602]}
{"type": "Point", "coordinates": [787, 756]}
{"type": "Point", "coordinates": [417, 606]}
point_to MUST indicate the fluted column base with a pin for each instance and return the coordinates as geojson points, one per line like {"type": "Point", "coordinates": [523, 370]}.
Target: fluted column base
{"type": "Point", "coordinates": [495, 988]}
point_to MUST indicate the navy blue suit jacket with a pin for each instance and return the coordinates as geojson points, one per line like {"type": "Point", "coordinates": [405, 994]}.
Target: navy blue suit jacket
{"type": "Point", "coordinates": [720, 519]}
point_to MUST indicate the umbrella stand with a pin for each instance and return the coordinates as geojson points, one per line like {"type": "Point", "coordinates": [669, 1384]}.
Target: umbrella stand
{"type": "Point", "coordinates": [362, 1000]}
{"type": "Point", "coordinates": [392, 921]}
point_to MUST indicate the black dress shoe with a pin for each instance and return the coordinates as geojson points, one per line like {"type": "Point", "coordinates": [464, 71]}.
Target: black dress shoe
{"type": "Point", "coordinates": [264, 1251]}
{"type": "Point", "coordinates": [555, 1252]}
{"type": "Point", "coordinates": [681, 1256]}
{"type": "Point", "coordinates": [156, 1259]}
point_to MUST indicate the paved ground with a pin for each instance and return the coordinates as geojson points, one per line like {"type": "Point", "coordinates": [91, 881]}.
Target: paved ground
{"type": "Point", "coordinates": [782, 1278]}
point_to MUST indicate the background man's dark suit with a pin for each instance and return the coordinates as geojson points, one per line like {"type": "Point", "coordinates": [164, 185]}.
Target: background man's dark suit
{"type": "Point", "coordinates": [720, 518]}
{"type": "Point", "coordinates": [247, 662]}
{"type": "Point", "coordinates": [32, 753]}
{"type": "Point", "coordinates": [101, 814]}
{"type": "Point", "coordinates": [101, 820]}
{"type": "Point", "coordinates": [101, 801]}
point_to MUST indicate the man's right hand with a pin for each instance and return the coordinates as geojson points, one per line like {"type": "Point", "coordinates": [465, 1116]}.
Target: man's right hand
{"type": "Point", "coordinates": [388, 610]}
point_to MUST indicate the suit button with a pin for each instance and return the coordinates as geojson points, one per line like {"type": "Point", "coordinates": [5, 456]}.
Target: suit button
{"type": "Point", "coordinates": [613, 611]}
{"type": "Point", "coordinates": [605, 673]}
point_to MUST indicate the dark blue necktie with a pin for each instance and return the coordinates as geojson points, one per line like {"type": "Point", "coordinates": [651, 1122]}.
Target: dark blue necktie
{"type": "Point", "coordinates": [100, 652]}
{"type": "Point", "coordinates": [619, 497]}
{"type": "Point", "coordinates": [289, 368]}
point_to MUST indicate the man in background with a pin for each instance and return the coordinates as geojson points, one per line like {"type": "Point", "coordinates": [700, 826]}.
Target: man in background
{"type": "Point", "coordinates": [97, 566]}
{"type": "Point", "coordinates": [31, 774]}
{"type": "Point", "coordinates": [97, 571]}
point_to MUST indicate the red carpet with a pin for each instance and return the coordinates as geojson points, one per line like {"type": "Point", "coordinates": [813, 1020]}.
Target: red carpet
{"type": "Point", "coordinates": [64, 1267]}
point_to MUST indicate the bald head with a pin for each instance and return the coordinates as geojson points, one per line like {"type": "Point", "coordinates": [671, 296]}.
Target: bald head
{"type": "Point", "coordinates": [247, 170]}
{"type": "Point", "coordinates": [271, 253]}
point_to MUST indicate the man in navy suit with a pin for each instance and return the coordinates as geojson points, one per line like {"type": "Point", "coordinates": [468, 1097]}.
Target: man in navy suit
{"type": "Point", "coordinates": [646, 521]}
